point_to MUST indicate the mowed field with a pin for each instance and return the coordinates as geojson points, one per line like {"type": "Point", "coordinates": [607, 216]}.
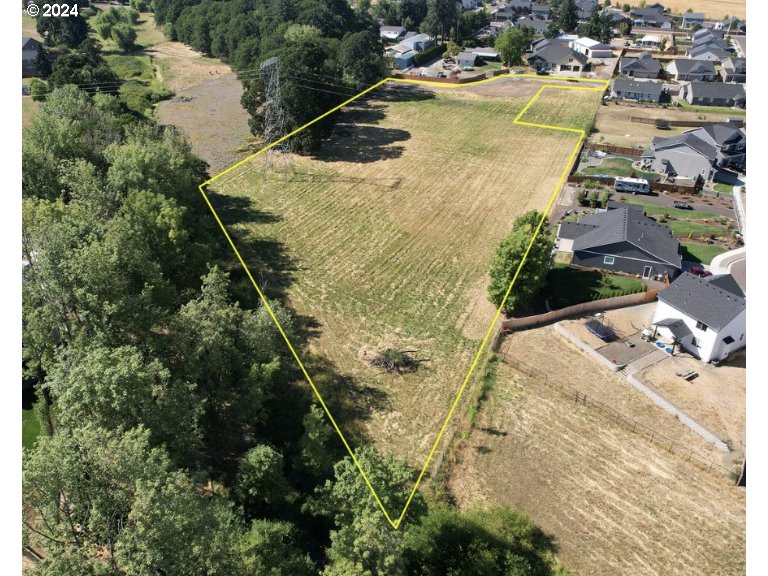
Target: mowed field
{"type": "Point", "coordinates": [614, 502]}
{"type": "Point", "coordinates": [389, 232]}
{"type": "Point", "coordinates": [713, 9]}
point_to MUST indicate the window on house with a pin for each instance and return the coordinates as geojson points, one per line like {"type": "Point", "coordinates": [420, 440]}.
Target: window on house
{"type": "Point", "coordinates": [701, 326]}
{"type": "Point", "coordinates": [608, 260]}
{"type": "Point", "coordinates": [696, 342]}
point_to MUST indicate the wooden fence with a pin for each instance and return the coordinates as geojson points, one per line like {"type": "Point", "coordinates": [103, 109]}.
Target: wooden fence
{"type": "Point", "coordinates": [625, 150]}
{"type": "Point", "coordinates": [670, 444]}
{"type": "Point", "coordinates": [515, 324]}
{"type": "Point", "coordinates": [473, 78]}
{"type": "Point", "coordinates": [683, 123]}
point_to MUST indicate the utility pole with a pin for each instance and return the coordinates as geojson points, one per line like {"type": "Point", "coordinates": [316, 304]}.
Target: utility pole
{"type": "Point", "coordinates": [278, 157]}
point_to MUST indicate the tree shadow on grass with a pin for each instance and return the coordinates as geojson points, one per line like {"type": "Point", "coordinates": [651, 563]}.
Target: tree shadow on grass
{"type": "Point", "coordinates": [397, 92]}
{"type": "Point", "coordinates": [363, 144]}
{"type": "Point", "coordinates": [240, 210]}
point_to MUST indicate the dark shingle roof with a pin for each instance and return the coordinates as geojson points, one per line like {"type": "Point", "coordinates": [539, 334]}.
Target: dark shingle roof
{"type": "Point", "coordinates": [703, 301]}
{"type": "Point", "coordinates": [722, 133]}
{"type": "Point", "coordinates": [627, 225]}
{"type": "Point", "coordinates": [466, 56]}
{"type": "Point", "coordinates": [557, 54]}
{"type": "Point", "coordinates": [678, 328]}
{"type": "Point", "coordinates": [703, 49]}
{"type": "Point", "coordinates": [726, 282]}
{"type": "Point", "coordinates": [28, 43]}
{"type": "Point", "coordinates": [572, 230]}
{"type": "Point", "coordinates": [689, 139]}
{"type": "Point", "coordinates": [647, 63]}
{"type": "Point", "coordinates": [716, 90]}
{"type": "Point", "coordinates": [686, 66]}
{"type": "Point", "coordinates": [654, 88]}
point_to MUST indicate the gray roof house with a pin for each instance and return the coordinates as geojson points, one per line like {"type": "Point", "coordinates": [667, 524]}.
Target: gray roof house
{"type": "Point", "coordinates": [716, 94]}
{"type": "Point", "coordinates": [541, 12]}
{"type": "Point", "coordinates": [733, 25]}
{"type": "Point", "coordinates": [584, 8]}
{"type": "Point", "coordinates": [651, 16]}
{"type": "Point", "coordinates": [704, 316]}
{"type": "Point", "coordinates": [29, 48]}
{"type": "Point", "coordinates": [691, 18]}
{"type": "Point", "coordinates": [646, 66]}
{"type": "Point", "coordinates": [508, 13]}
{"type": "Point", "coordinates": [392, 33]}
{"type": "Point", "coordinates": [621, 240]}
{"type": "Point", "coordinates": [705, 35]}
{"type": "Point", "coordinates": [699, 152]}
{"type": "Point", "coordinates": [686, 69]}
{"type": "Point", "coordinates": [734, 70]}
{"type": "Point", "coordinates": [419, 42]}
{"type": "Point", "coordinates": [538, 26]}
{"type": "Point", "coordinates": [640, 91]}
{"type": "Point", "coordinates": [557, 58]}
{"type": "Point", "coordinates": [708, 52]}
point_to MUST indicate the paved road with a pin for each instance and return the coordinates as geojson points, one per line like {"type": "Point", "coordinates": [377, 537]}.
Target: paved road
{"type": "Point", "coordinates": [739, 272]}
{"type": "Point", "coordinates": [741, 45]}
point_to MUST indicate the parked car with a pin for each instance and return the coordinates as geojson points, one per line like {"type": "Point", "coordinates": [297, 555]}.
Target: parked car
{"type": "Point", "coordinates": [682, 205]}
{"type": "Point", "coordinates": [700, 272]}
{"type": "Point", "coordinates": [467, 68]}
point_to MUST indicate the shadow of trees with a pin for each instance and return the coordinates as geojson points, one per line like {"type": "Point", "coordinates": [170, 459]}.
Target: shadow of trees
{"type": "Point", "coordinates": [363, 144]}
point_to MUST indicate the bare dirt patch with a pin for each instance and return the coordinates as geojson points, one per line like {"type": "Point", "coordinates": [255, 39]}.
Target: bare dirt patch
{"type": "Point", "coordinates": [615, 503]}
{"type": "Point", "coordinates": [185, 67]}
{"type": "Point", "coordinates": [716, 398]}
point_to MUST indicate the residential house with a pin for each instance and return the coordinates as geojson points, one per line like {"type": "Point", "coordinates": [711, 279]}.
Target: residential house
{"type": "Point", "coordinates": [591, 48]}
{"type": "Point", "coordinates": [704, 316]}
{"type": "Point", "coordinates": [466, 58]}
{"type": "Point", "coordinates": [584, 8]}
{"type": "Point", "coordinates": [649, 41]}
{"type": "Point", "coordinates": [418, 42]}
{"type": "Point", "coordinates": [645, 66]}
{"type": "Point", "coordinates": [700, 70]}
{"type": "Point", "coordinates": [520, 5]}
{"type": "Point", "coordinates": [484, 53]}
{"type": "Point", "coordinates": [538, 26]}
{"type": "Point", "coordinates": [556, 58]}
{"type": "Point", "coordinates": [640, 91]}
{"type": "Point", "coordinates": [698, 152]}
{"type": "Point", "coordinates": [732, 26]}
{"type": "Point", "coordinates": [651, 17]}
{"type": "Point", "coordinates": [29, 47]}
{"type": "Point", "coordinates": [709, 52]}
{"type": "Point", "coordinates": [469, 4]}
{"type": "Point", "coordinates": [705, 35]}
{"type": "Point", "coordinates": [710, 40]}
{"type": "Point", "coordinates": [716, 94]}
{"type": "Point", "coordinates": [734, 70]}
{"type": "Point", "coordinates": [621, 240]}
{"type": "Point", "coordinates": [507, 13]}
{"type": "Point", "coordinates": [392, 33]}
{"type": "Point", "coordinates": [540, 12]}
{"type": "Point", "coordinates": [691, 18]}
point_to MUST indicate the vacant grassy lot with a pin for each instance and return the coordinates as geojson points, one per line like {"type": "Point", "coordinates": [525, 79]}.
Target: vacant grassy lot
{"type": "Point", "coordinates": [29, 26]}
{"type": "Point", "coordinates": [614, 502]}
{"type": "Point", "coordinates": [614, 126]}
{"type": "Point", "coordinates": [716, 9]}
{"type": "Point", "coordinates": [568, 286]}
{"type": "Point", "coordinates": [618, 167]}
{"type": "Point", "coordinates": [703, 253]}
{"type": "Point", "coordinates": [385, 239]}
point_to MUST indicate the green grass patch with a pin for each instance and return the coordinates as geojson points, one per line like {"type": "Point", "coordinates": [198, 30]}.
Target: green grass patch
{"type": "Point", "coordinates": [568, 286]}
{"type": "Point", "coordinates": [30, 428]}
{"type": "Point", "coordinates": [655, 210]}
{"type": "Point", "coordinates": [684, 228]}
{"type": "Point", "coordinates": [723, 188]}
{"type": "Point", "coordinates": [141, 89]}
{"type": "Point", "coordinates": [618, 167]}
{"type": "Point", "coordinates": [701, 253]}
{"type": "Point", "coordinates": [684, 105]}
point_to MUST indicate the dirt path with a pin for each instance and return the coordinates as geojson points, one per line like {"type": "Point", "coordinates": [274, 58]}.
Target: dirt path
{"type": "Point", "coordinates": [206, 106]}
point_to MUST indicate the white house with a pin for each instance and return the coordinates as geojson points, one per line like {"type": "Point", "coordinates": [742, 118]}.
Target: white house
{"type": "Point", "coordinates": [392, 33]}
{"type": "Point", "coordinates": [704, 316]}
{"type": "Point", "coordinates": [592, 48]}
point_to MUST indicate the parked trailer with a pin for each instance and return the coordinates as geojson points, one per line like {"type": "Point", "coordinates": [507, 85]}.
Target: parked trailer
{"type": "Point", "coordinates": [634, 185]}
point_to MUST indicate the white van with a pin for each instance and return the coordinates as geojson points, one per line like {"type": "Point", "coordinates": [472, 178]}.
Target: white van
{"type": "Point", "coordinates": [634, 185]}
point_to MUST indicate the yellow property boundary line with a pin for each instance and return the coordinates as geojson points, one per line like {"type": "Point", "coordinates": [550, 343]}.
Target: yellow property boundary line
{"type": "Point", "coordinates": [581, 133]}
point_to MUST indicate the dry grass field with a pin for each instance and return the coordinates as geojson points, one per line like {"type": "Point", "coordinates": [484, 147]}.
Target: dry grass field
{"type": "Point", "coordinates": [389, 232]}
{"type": "Point", "coordinates": [614, 125]}
{"type": "Point", "coordinates": [714, 9]}
{"type": "Point", "coordinates": [614, 502]}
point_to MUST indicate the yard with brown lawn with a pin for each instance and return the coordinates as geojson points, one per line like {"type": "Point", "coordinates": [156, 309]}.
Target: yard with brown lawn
{"type": "Point", "coordinates": [384, 239]}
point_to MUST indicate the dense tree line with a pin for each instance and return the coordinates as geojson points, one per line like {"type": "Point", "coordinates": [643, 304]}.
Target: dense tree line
{"type": "Point", "coordinates": [177, 435]}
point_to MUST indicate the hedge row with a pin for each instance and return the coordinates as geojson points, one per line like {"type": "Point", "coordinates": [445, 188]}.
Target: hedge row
{"type": "Point", "coordinates": [429, 54]}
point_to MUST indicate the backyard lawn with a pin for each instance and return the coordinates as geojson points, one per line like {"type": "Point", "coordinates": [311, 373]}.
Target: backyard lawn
{"type": "Point", "coordinates": [568, 286]}
{"type": "Point", "coordinates": [618, 167]}
{"type": "Point", "coordinates": [30, 428]}
{"type": "Point", "coordinates": [656, 210]}
{"type": "Point", "coordinates": [723, 188]}
{"type": "Point", "coordinates": [700, 253]}
{"type": "Point", "coordinates": [711, 109]}
{"type": "Point", "coordinates": [682, 228]}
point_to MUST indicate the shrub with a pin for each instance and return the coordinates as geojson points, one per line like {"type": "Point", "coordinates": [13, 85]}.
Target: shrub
{"type": "Point", "coordinates": [38, 90]}
{"type": "Point", "coordinates": [429, 54]}
{"type": "Point", "coordinates": [582, 197]}
{"type": "Point", "coordinates": [594, 199]}
{"type": "Point", "coordinates": [124, 36]}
